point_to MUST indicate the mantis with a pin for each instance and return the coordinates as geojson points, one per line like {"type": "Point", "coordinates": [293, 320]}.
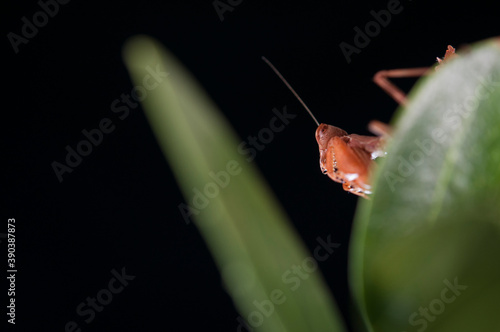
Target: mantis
{"type": "Point", "coordinates": [349, 158]}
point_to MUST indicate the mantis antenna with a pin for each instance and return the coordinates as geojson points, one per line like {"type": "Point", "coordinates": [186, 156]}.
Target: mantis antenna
{"type": "Point", "coordinates": [290, 87]}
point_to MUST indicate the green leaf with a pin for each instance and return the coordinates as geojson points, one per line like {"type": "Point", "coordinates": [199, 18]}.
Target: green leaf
{"type": "Point", "coordinates": [244, 227]}
{"type": "Point", "coordinates": [425, 249]}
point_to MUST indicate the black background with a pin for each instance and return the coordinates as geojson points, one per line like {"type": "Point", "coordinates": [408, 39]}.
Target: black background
{"type": "Point", "coordinates": [119, 207]}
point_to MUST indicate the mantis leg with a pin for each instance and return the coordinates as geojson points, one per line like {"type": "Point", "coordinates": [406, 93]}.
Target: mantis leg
{"type": "Point", "coordinates": [381, 78]}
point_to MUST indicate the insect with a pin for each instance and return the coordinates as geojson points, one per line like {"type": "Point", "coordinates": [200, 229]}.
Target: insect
{"type": "Point", "coordinates": [349, 158]}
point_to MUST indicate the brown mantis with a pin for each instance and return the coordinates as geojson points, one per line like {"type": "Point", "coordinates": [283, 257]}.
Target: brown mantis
{"type": "Point", "coordinates": [349, 158]}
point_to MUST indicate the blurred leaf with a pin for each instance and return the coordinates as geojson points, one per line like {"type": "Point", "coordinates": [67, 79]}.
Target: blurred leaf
{"type": "Point", "coordinates": [434, 220]}
{"type": "Point", "coordinates": [245, 229]}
